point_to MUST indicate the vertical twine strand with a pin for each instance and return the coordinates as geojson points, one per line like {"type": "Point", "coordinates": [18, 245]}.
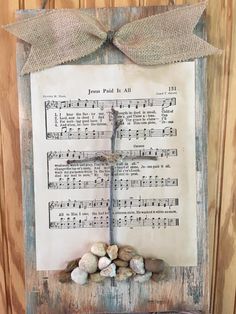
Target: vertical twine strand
{"type": "Point", "coordinates": [115, 126]}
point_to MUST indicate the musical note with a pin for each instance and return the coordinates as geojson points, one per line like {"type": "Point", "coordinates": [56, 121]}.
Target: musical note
{"type": "Point", "coordinates": [116, 104]}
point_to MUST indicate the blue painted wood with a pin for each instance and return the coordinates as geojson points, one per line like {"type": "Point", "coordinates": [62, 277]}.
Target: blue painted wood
{"type": "Point", "coordinates": [187, 291]}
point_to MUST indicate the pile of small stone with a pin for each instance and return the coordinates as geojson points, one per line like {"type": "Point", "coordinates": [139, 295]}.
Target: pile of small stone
{"type": "Point", "coordinates": [110, 261]}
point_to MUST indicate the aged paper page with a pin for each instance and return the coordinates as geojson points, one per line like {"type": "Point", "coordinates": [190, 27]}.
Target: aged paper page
{"type": "Point", "coordinates": [155, 177]}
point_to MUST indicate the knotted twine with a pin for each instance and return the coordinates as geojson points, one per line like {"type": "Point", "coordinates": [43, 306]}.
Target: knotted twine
{"type": "Point", "coordinates": [59, 36]}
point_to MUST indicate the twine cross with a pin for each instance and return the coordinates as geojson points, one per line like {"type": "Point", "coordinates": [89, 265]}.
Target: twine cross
{"type": "Point", "coordinates": [111, 158]}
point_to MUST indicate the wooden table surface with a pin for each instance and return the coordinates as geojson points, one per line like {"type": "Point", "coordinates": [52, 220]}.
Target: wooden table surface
{"type": "Point", "coordinates": [221, 17]}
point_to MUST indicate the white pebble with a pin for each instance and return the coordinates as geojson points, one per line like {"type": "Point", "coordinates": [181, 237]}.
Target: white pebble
{"type": "Point", "coordinates": [103, 262]}
{"type": "Point", "coordinates": [109, 271]}
{"type": "Point", "coordinates": [79, 276]}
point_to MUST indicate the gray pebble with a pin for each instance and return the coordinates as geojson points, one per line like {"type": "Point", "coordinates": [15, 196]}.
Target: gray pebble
{"type": "Point", "coordinates": [163, 275]}
{"type": "Point", "coordinates": [154, 265]}
{"type": "Point", "coordinates": [137, 264]}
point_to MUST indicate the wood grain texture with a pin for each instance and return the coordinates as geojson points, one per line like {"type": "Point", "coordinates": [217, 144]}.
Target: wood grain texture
{"type": "Point", "coordinates": [221, 152]}
{"type": "Point", "coordinates": [37, 4]}
{"type": "Point", "coordinates": [3, 268]}
{"type": "Point", "coordinates": [11, 237]}
{"type": "Point", "coordinates": [222, 162]}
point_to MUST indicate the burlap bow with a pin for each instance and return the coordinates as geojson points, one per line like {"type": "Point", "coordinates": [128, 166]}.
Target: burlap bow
{"type": "Point", "coordinates": [60, 36]}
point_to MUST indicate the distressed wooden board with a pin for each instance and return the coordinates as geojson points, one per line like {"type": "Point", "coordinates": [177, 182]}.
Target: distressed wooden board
{"type": "Point", "coordinates": [222, 157]}
{"type": "Point", "coordinates": [188, 289]}
{"type": "Point", "coordinates": [221, 74]}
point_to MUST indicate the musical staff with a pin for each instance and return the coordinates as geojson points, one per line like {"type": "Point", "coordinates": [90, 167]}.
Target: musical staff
{"type": "Point", "coordinates": [118, 183]}
{"type": "Point", "coordinates": [86, 155]}
{"type": "Point", "coordinates": [102, 222]}
{"type": "Point", "coordinates": [115, 104]}
{"type": "Point", "coordinates": [67, 134]}
{"type": "Point", "coordinates": [117, 203]}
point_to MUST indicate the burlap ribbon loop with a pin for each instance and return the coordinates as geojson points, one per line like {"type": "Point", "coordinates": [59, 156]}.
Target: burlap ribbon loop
{"type": "Point", "coordinates": [60, 36]}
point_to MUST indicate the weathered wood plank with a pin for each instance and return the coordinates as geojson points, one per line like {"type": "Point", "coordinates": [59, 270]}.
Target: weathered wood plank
{"type": "Point", "coordinates": [3, 257]}
{"type": "Point", "coordinates": [37, 4]}
{"type": "Point", "coordinates": [70, 4]}
{"type": "Point", "coordinates": [155, 2]}
{"type": "Point", "coordinates": [221, 77]}
{"type": "Point", "coordinates": [124, 3]}
{"type": "Point", "coordinates": [188, 288]}
{"type": "Point", "coordinates": [95, 3]}
{"type": "Point", "coordinates": [12, 250]}
{"type": "Point", "coordinates": [222, 132]}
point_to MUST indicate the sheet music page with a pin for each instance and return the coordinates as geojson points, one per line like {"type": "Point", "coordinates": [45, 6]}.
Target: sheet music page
{"type": "Point", "coordinates": [154, 197]}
